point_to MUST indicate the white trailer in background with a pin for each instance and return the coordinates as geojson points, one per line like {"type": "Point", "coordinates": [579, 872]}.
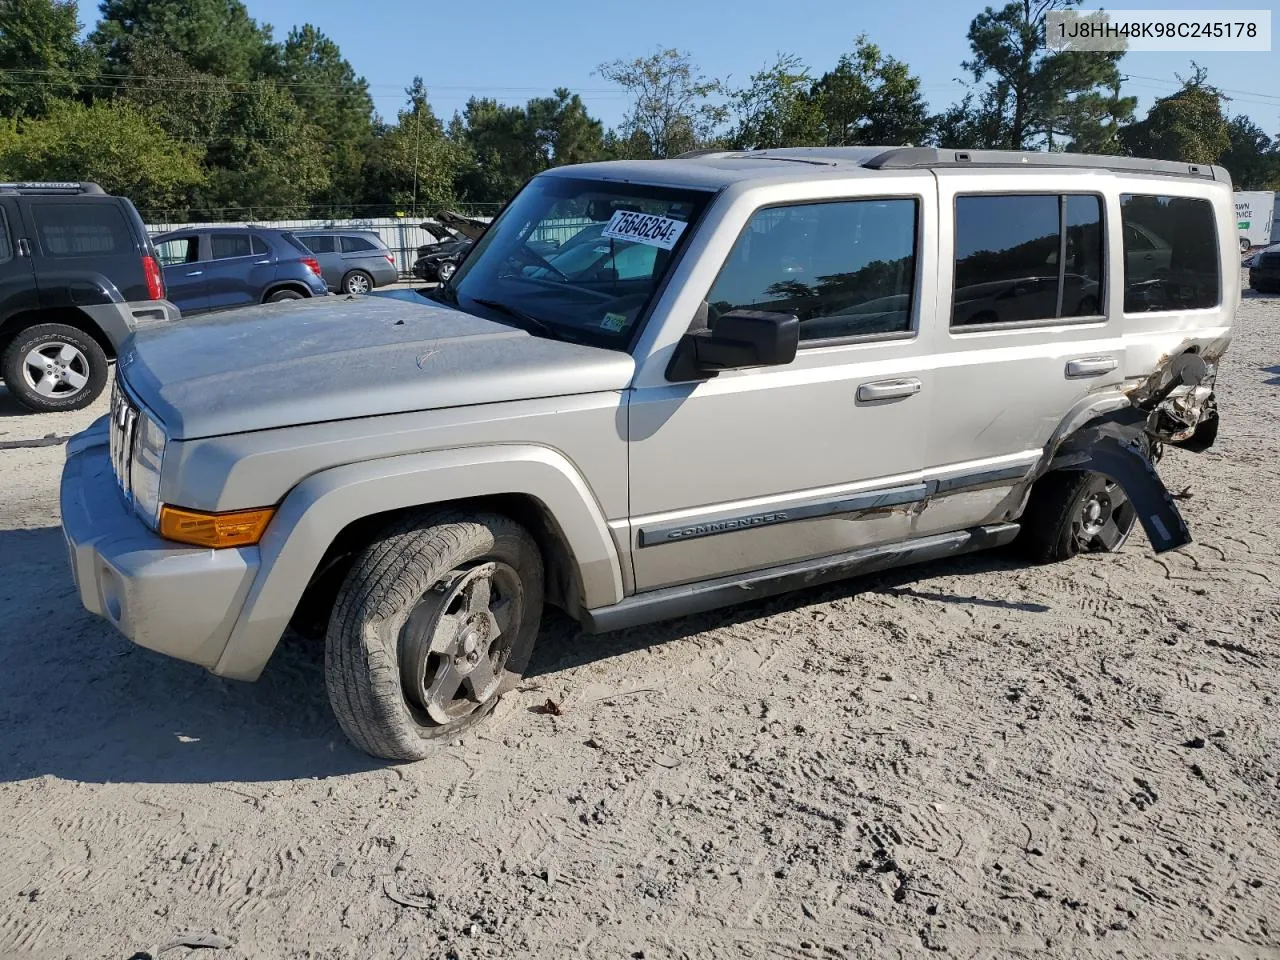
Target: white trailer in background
{"type": "Point", "coordinates": [1254, 212]}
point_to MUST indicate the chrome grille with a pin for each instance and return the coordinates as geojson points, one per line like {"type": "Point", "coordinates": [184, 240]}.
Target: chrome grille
{"type": "Point", "coordinates": [124, 418]}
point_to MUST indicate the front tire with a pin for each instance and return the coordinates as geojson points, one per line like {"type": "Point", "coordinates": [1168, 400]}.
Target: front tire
{"type": "Point", "coordinates": [1072, 512]}
{"type": "Point", "coordinates": [434, 622]}
{"type": "Point", "coordinates": [53, 367]}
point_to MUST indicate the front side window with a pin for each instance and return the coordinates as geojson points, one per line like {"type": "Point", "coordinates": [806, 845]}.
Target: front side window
{"type": "Point", "coordinates": [81, 229]}
{"type": "Point", "coordinates": [844, 268]}
{"type": "Point", "coordinates": [577, 259]}
{"type": "Point", "coordinates": [225, 246]}
{"type": "Point", "coordinates": [1027, 258]}
{"type": "Point", "coordinates": [178, 250]}
{"type": "Point", "coordinates": [1170, 253]}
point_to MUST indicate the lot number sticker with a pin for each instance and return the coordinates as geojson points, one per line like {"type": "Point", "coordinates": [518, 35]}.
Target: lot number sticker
{"type": "Point", "coordinates": [644, 228]}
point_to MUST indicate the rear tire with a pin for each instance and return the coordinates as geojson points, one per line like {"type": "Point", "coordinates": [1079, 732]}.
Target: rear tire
{"type": "Point", "coordinates": [435, 621]}
{"type": "Point", "coordinates": [357, 281]}
{"type": "Point", "coordinates": [52, 367]}
{"type": "Point", "coordinates": [1072, 512]}
{"type": "Point", "coordinates": [281, 295]}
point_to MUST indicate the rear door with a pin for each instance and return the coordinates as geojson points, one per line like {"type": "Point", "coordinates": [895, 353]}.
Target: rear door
{"type": "Point", "coordinates": [1010, 366]}
{"type": "Point", "coordinates": [84, 251]}
{"type": "Point", "coordinates": [239, 269]}
{"type": "Point", "coordinates": [17, 278]}
{"type": "Point", "coordinates": [184, 274]}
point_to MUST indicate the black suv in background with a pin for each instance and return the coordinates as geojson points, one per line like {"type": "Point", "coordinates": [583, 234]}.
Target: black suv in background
{"type": "Point", "coordinates": [77, 275]}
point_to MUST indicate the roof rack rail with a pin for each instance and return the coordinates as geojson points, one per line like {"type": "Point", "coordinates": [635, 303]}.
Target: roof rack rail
{"type": "Point", "coordinates": [51, 187]}
{"type": "Point", "coordinates": [912, 158]}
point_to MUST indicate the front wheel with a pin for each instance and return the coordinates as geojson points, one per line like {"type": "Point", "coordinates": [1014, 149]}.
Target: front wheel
{"type": "Point", "coordinates": [1072, 512]}
{"type": "Point", "coordinates": [52, 367]}
{"type": "Point", "coordinates": [435, 621]}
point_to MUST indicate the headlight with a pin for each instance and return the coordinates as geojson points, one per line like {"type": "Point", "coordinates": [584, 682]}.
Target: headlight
{"type": "Point", "coordinates": [148, 455]}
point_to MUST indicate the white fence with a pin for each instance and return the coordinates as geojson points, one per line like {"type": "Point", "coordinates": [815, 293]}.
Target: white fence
{"type": "Point", "coordinates": [402, 237]}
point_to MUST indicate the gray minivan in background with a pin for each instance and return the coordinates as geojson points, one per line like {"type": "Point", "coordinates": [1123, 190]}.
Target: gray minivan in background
{"type": "Point", "coordinates": [351, 261]}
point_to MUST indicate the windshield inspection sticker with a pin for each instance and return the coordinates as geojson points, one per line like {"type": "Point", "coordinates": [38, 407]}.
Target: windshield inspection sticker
{"type": "Point", "coordinates": [644, 228]}
{"type": "Point", "coordinates": [613, 321]}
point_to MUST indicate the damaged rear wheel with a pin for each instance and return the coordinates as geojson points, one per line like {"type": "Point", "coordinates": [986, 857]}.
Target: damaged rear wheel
{"type": "Point", "coordinates": [1072, 512]}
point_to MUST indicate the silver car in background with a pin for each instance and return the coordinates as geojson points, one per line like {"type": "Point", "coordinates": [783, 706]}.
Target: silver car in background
{"type": "Point", "coordinates": [351, 261]}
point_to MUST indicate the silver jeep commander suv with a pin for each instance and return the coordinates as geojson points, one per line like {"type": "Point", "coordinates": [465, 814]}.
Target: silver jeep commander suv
{"type": "Point", "coordinates": [654, 388]}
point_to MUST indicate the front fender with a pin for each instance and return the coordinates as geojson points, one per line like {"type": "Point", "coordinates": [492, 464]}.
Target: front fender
{"type": "Point", "coordinates": [318, 508]}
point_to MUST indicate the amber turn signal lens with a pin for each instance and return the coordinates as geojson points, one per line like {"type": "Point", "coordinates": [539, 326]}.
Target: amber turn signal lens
{"type": "Point", "coordinates": [239, 528]}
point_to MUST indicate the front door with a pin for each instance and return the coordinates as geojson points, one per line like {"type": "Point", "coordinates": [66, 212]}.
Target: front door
{"type": "Point", "coordinates": [755, 468]}
{"type": "Point", "coordinates": [184, 278]}
{"type": "Point", "coordinates": [239, 269]}
{"type": "Point", "coordinates": [18, 291]}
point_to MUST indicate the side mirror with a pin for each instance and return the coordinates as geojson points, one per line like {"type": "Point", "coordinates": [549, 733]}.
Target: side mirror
{"type": "Point", "coordinates": [743, 338]}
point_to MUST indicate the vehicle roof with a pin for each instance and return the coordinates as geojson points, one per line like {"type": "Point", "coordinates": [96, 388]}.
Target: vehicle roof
{"type": "Point", "coordinates": [714, 169]}
{"type": "Point", "coordinates": [334, 232]}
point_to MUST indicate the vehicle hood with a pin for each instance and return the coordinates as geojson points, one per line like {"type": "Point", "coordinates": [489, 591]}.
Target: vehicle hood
{"type": "Point", "coordinates": [337, 358]}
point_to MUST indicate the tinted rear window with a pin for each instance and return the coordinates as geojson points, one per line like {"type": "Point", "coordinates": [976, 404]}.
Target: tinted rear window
{"type": "Point", "coordinates": [1010, 265]}
{"type": "Point", "coordinates": [225, 246]}
{"type": "Point", "coordinates": [294, 242]}
{"type": "Point", "coordinates": [81, 229]}
{"type": "Point", "coordinates": [1170, 253]}
{"type": "Point", "coordinates": [259, 246]}
{"type": "Point", "coordinates": [356, 245]}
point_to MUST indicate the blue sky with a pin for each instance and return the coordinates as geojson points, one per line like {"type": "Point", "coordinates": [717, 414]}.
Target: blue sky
{"type": "Point", "coordinates": [516, 50]}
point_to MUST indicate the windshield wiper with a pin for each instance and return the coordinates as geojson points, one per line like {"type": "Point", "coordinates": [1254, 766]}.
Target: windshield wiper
{"type": "Point", "coordinates": [525, 321]}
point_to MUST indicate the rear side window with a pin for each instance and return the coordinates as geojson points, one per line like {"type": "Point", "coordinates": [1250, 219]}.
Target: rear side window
{"type": "Point", "coordinates": [356, 245]}
{"type": "Point", "coordinates": [81, 229]}
{"type": "Point", "coordinates": [297, 244]}
{"type": "Point", "coordinates": [319, 244]}
{"type": "Point", "coordinates": [225, 246]}
{"type": "Point", "coordinates": [1170, 253]}
{"type": "Point", "coordinates": [844, 268]}
{"type": "Point", "coordinates": [1027, 258]}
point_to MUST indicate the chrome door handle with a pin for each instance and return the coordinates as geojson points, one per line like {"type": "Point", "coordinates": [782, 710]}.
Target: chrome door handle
{"type": "Point", "coordinates": [1090, 367]}
{"type": "Point", "coordinates": [195, 273]}
{"type": "Point", "coordinates": [888, 389]}
{"type": "Point", "coordinates": [260, 262]}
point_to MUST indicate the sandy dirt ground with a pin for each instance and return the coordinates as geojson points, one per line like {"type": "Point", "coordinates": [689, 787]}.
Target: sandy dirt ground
{"type": "Point", "coordinates": [974, 758]}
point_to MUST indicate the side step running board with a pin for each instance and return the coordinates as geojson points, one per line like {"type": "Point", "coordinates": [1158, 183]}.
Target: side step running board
{"type": "Point", "coordinates": [680, 601]}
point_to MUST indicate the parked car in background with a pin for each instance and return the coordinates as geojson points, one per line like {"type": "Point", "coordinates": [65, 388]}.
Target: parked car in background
{"type": "Point", "coordinates": [217, 268]}
{"type": "Point", "coordinates": [1264, 271]}
{"type": "Point", "coordinates": [440, 260]}
{"type": "Point", "coordinates": [351, 261]}
{"type": "Point", "coordinates": [77, 275]}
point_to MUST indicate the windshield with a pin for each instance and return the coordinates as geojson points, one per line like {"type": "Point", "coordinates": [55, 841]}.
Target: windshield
{"type": "Point", "coordinates": [581, 257]}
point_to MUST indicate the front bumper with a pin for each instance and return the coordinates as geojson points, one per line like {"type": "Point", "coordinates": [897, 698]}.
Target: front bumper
{"type": "Point", "coordinates": [179, 601]}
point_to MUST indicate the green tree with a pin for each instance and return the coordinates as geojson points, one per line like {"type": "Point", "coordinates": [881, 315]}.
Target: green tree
{"type": "Point", "coordinates": [113, 144]}
{"type": "Point", "coordinates": [39, 55]}
{"type": "Point", "coordinates": [563, 130]}
{"type": "Point", "coordinates": [267, 159]}
{"type": "Point", "coordinates": [1187, 125]}
{"type": "Point", "coordinates": [671, 101]}
{"type": "Point", "coordinates": [336, 102]}
{"type": "Point", "coordinates": [412, 164]}
{"type": "Point", "coordinates": [498, 150]}
{"type": "Point", "coordinates": [1253, 158]}
{"type": "Point", "coordinates": [776, 108]}
{"type": "Point", "coordinates": [189, 105]}
{"type": "Point", "coordinates": [217, 37]}
{"type": "Point", "coordinates": [870, 98]}
{"type": "Point", "coordinates": [1040, 98]}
